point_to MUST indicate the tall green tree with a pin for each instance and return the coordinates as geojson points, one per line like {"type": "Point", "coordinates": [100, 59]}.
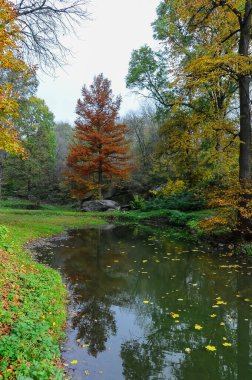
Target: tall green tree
{"type": "Point", "coordinates": [34, 176]}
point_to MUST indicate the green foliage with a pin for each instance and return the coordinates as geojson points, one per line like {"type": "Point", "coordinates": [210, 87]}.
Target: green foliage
{"type": "Point", "coordinates": [138, 202]}
{"type": "Point", "coordinates": [34, 175]}
{"type": "Point", "coordinates": [183, 201]}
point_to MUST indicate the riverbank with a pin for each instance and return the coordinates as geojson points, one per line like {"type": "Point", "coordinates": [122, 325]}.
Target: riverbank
{"type": "Point", "coordinates": [33, 297]}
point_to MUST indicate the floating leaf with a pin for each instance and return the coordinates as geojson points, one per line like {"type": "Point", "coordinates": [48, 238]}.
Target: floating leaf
{"type": "Point", "coordinates": [198, 327]}
{"type": "Point", "coordinates": [246, 299]}
{"type": "Point", "coordinates": [188, 350]}
{"type": "Point", "coordinates": [144, 261]}
{"type": "Point", "coordinates": [221, 303]}
{"type": "Point", "coordinates": [74, 361]}
{"type": "Point", "coordinates": [87, 372]}
{"type": "Point", "coordinates": [146, 301]}
{"type": "Point", "coordinates": [213, 315]}
{"type": "Point", "coordinates": [210, 348]}
{"type": "Point", "coordinates": [174, 315]}
{"type": "Point", "coordinates": [226, 344]}
{"type": "Point", "coordinates": [85, 345]}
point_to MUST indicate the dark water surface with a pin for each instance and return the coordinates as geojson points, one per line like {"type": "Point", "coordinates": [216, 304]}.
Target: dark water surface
{"type": "Point", "coordinates": [136, 296]}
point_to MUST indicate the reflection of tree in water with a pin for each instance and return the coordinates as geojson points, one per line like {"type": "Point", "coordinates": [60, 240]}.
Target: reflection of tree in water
{"type": "Point", "coordinates": [94, 287]}
{"type": "Point", "coordinates": [95, 323]}
{"type": "Point", "coordinates": [102, 272]}
{"type": "Point", "coordinates": [139, 359]}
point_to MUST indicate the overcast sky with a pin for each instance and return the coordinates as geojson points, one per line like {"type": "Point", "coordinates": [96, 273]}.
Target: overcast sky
{"type": "Point", "coordinates": [104, 45]}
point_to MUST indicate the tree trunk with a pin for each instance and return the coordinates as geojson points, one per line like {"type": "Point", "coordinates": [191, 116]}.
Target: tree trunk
{"type": "Point", "coordinates": [245, 115]}
{"type": "Point", "coordinates": [100, 181]}
{"type": "Point", "coordinates": [245, 224]}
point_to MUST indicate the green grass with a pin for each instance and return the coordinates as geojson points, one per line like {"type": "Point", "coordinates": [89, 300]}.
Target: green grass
{"type": "Point", "coordinates": [32, 296]}
{"type": "Point", "coordinates": [188, 220]}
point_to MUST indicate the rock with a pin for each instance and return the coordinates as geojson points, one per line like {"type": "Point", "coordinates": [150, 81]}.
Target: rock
{"type": "Point", "coordinates": [103, 205]}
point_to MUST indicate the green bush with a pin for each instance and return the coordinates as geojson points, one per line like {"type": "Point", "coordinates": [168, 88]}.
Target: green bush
{"type": "Point", "coordinates": [138, 202]}
{"type": "Point", "coordinates": [184, 201]}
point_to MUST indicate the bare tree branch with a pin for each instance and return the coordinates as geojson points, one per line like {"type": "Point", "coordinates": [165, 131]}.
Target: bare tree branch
{"type": "Point", "coordinates": [44, 23]}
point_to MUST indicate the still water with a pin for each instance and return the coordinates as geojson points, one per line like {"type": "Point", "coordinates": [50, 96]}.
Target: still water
{"type": "Point", "coordinates": [144, 305]}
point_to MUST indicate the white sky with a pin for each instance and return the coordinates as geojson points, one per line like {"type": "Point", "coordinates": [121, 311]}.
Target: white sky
{"type": "Point", "coordinates": [104, 45]}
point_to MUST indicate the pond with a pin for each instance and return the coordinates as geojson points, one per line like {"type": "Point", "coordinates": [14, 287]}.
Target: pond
{"type": "Point", "coordinates": [144, 304]}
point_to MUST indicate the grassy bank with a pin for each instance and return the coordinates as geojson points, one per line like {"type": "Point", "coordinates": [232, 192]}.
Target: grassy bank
{"type": "Point", "coordinates": [32, 297]}
{"type": "Point", "coordinates": [189, 221]}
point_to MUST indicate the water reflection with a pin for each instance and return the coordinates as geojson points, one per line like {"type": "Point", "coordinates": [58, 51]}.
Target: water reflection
{"type": "Point", "coordinates": [124, 283]}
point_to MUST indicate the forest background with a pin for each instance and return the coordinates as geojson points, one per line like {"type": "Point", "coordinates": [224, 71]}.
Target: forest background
{"type": "Point", "coordinates": [190, 143]}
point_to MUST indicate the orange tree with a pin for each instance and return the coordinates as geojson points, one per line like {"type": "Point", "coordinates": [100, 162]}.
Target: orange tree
{"type": "Point", "coordinates": [100, 148]}
{"type": "Point", "coordinates": [10, 35]}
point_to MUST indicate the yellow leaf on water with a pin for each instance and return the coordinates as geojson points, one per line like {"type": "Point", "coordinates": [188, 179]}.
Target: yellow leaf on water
{"type": "Point", "coordinates": [213, 315]}
{"type": "Point", "coordinates": [188, 350]}
{"type": "Point", "coordinates": [174, 315]}
{"type": "Point", "coordinates": [226, 344]}
{"type": "Point", "coordinates": [85, 345]}
{"type": "Point", "coordinates": [146, 301]}
{"type": "Point", "coordinates": [222, 324]}
{"type": "Point", "coordinates": [87, 372]}
{"type": "Point", "coordinates": [74, 361]}
{"type": "Point", "coordinates": [210, 348]}
{"type": "Point", "coordinates": [246, 299]}
{"type": "Point", "coordinates": [144, 261]}
{"type": "Point", "coordinates": [198, 327]}
{"type": "Point", "coordinates": [221, 303]}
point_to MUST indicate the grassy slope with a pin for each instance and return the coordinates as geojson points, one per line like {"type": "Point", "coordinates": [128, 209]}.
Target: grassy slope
{"type": "Point", "coordinates": [32, 296]}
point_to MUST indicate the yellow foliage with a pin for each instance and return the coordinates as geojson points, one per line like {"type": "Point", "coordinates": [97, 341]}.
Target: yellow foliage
{"type": "Point", "coordinates": [9, 36]}
{"type": "Point", "coordinates": [171, 188]}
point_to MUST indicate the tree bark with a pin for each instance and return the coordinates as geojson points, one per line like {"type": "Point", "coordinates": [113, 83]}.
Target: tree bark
{"type": "Point", "coordinates": [100, 181]}
{"type": "Point", "coordinates": [244, 223]}
{"type": "Point", "coordinates": [245, 113]}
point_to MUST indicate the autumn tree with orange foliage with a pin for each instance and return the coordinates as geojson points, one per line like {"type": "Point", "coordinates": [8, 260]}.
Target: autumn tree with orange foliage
{"type": "Point", "coordinates": [100, 149]}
